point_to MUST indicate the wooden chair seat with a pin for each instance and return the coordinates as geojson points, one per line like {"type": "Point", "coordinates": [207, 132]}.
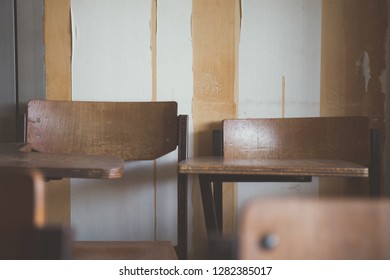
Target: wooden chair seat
{"type": "Point", "coordinates": [123, 250]}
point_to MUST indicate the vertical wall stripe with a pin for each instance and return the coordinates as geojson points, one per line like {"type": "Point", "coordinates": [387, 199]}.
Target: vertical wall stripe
{"type": "Point", "coordinates": [57, 37]}
{"type": "Point", "coordinates": [214, 63]}
{"type": "Point", "coordinates": [57, 40]}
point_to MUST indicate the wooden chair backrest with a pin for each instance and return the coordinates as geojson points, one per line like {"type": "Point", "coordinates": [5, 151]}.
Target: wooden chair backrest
{"type": "Point", "coordinates": [129, 130]}
{"type": "Point", "coordinates": [315, 229]}
{"type": "Point", "coordinates": [345, 138]}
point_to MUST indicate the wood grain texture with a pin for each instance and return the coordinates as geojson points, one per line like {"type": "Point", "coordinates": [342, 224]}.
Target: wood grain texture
{"type": "Point", "coordinates": [62, 165]}
{"type": "Point", "coordinates": [345, 138]}
{"type": "Point", "coordinates": [315, 229]}
{"type": "Point", "coordinates": [58, 50]}
{"type": "Point", "coordinates": [123, 250]}
{"type": "Point", "coordinates": [129, 130]}
{"type": "Point", "coordinates": [294, 167]}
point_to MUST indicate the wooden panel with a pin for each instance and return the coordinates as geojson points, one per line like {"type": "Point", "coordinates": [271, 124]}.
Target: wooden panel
{"type": "Point", "coordinates": [58, 50]}
{"type": "Point", "coordinates": [315, 229]}
{"type": "Point", "coordinates": [215, 38]}
{"type": "Point", "coordinates": [129, 130]}
{"type": "Point", "coordinates": [123, 250]}
{"type": "Point", "coordinates": [58, 57]}
{"type": "Point", "coordinates": [21, 208]}
{"type": "Point", "coordinates": [293, 167]}
{"type": "Point", "coordinates": [56, 166]}
{"type": "Point", "coordinates": [300, 138]}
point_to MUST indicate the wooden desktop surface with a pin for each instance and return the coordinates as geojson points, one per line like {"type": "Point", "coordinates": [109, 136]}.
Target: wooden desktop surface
{"type": "Point", "coordinates": [277, 167]}
{"type": "Point", "coordinates": [20, 156]}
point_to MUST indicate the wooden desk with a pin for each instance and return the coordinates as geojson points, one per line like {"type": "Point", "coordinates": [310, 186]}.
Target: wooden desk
{"type": "Point", "coordinates": [219, 169]}
{"type": "Point", "coordinates": [56, 166]}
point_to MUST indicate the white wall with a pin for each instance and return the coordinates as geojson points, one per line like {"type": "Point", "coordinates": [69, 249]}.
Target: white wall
{"type": "Point", "coordinates": [279, 72]}
{"type": "Point", "coordinates": [112, 61]}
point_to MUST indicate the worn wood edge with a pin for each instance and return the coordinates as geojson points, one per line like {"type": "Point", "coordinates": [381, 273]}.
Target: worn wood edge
{"type": "Point", "coordinates": [161, 249]}
{"type": "Point", "coordinates": [185, 167]}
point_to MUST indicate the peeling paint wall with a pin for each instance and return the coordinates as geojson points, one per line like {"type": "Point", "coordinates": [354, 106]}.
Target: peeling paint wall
{"type": "Point", "coordinates": [352, 68]}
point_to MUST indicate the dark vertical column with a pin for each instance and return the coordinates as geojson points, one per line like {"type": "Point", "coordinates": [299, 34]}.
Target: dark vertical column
{"type": "Point", "coordinates": [7, 72]}
{"type": "Point", "coordinates": [30, 55]}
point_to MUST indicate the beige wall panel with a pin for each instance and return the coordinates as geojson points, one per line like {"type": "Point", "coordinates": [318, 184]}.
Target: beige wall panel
{"type": "Point", "coordinates": [57, 40]}
{"type": "Point", "coordinates": [215, 45]}
{"type": "Point", "coordinates": [58, 50]}
{"type": "Point", "coordinates": [353, 63]}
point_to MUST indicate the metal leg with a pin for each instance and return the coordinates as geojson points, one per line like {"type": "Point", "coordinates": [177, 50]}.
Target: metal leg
{"type": "Point", "coordinates": [374, 170]}
{"type": "Point", "coordinates": [208, 206]}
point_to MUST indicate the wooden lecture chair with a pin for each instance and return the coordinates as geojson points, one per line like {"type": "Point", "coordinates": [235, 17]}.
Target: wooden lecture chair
{"type": "Point", "coordinates": [342, 138]}
{"type": "Point", "coordinates": [133, 131]}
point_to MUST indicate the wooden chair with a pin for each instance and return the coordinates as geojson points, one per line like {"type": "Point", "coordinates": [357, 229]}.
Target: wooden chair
{"type": "Point", "coordinates": [128, 130]}
{"type": "Point", "coordinates": [345, 138]}
{"type": "Point", "coordinates": [317, 138]}
{"type": "Point", "coordinates": [315, 229]}
{"type": "Point", "coordinates": [23, 234]}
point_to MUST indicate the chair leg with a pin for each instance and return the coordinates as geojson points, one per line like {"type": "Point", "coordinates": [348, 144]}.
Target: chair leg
{"type": "Point", "coordinates": [208, 206]}
{"type": "Point", "coordinates": [374, 170]}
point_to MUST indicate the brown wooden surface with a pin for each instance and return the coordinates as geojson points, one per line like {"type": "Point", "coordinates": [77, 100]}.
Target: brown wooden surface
{"type": "Point", "coordinates": [60, 165]}
{"type": "Point", "coordinates": [21, 209]}
{"type": "Point", "coordinates": [295, 167]}
{"type": "Point", "coordinates": [123, 250]}
{"type": "Point", "coordinates": [346, 138]}
{"type": "Point", "coordinates": [129, 130]}
{"type": "Point", "coordinates": [316, 229]}
{"type": "Point", "coordinates": [23, 230]}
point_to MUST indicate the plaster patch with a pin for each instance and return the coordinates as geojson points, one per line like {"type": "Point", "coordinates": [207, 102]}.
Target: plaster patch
{"type": "Point", "coordinates": [365, 69]}
{"type": "Point", "coordinates": [209, 84]}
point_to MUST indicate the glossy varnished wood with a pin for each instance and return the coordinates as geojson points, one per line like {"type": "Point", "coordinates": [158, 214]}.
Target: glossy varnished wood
{"type": "Point", "coordinates": [284, 150]}
{"type": "Point", "coordinates": [15, 157]}
{"type": "Point", "coordinates": [345, 138]}
{"type": "Point", "coordinates": [279, 167]}
{"type": "Point", "coordinates": [315, 229]}
{"type": "Point", "coordinates": [129, 130]}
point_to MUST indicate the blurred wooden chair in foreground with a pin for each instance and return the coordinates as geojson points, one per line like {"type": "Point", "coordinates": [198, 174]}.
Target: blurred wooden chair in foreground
{"type": "Point", "coordinates": [135, 131]}
{"type": "Point", "coordinates": [315, 229]}
{"type": "Point", "coordinates": [23, 234]}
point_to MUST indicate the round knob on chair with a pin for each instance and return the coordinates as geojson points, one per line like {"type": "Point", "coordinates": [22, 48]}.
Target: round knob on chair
{"type": "Point", "coordinates": [269, 241]}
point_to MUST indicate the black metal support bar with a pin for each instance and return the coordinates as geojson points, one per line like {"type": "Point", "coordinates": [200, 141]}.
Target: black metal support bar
{"type": "Point", "coordinates": [182, 191]}
{"type": "Point", "coordinates": [374, 169]}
